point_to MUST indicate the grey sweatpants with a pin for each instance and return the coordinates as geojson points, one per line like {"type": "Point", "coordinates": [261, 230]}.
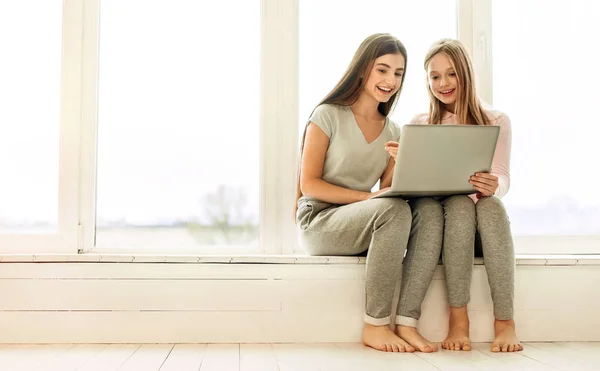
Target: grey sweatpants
{"type": "Point", "coordinates": [422, 258]}
{"type": "Point", "coordinates": [488, 217]}
{"type": "Point", "coordinates": [382, 228]}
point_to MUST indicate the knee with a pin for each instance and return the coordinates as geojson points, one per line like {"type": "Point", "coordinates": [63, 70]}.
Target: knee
{"type": "Point", "coordinates": [459, 206]}
{"type": "Point", "coordinates": [490, 205]}
{"type": "Point", "coordinates": [491, 208]}
{"type": "Point", "coordinates": [395, 210]}
{"type": "Point", "coordinates": [427, 209]}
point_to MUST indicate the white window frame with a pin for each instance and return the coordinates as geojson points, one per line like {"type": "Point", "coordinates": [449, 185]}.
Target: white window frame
{"type": "Point", "coordinates": [279, 81]}
{"type": "Point", "coordinates": [279, 118]}
{"type": "Point", "coordinates": [475, 32]}
{"type": "Point", "coordinates": [89, 130]}
{"type": "Point", "coordinates": [278, 131]}
{"type": "Point", "coordinates": [67, 235]}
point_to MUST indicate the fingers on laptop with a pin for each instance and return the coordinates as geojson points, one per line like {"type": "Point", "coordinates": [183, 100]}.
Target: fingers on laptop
{"type": "Point", "coordinates": [392, 151]}
{"type": "Point", "coordinates": [484, 192]}
{"type": "Point", "coordinates": [484, 189]}
{"type": "Point", "coordinates": [392, 148]}
{"type": "Point", "coordinates": [485, 183]}
{"type": "Point", "coordinates": [486, 176]}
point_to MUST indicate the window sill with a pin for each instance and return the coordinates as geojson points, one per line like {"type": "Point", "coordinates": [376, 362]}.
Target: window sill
{"type": "Point", "coordinates": [552, 260]}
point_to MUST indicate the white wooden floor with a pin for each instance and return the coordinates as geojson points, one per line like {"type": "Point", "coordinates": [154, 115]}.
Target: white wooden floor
{"type": "Point", "coordinates": [284, 357]}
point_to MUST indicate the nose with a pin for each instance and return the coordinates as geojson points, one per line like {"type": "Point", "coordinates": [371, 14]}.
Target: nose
{"type": "Point", "coordinates": [443, 81]}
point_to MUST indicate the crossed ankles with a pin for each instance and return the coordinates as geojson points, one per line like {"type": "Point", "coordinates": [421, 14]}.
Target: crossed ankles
{"type": "Point", "coordinates": [414, 338]}
{"type": "Point", "coordinates": [383, 338]}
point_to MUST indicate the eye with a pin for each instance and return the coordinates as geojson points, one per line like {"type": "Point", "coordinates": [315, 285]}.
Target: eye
{"type": "Point", "coordinates": [452, 74]}
{"type": "Point", "coordinates": [381, 70]}
{"type": "Point", "coordinates": [434, 77]}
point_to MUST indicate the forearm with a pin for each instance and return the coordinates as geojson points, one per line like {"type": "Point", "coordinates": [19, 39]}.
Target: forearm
{"type": "Point", "coordinates": [386, 180]}
{"type": "Point", "coordinates": [327, 192]}
{"type": "Point", "coordinates": [501, 163]}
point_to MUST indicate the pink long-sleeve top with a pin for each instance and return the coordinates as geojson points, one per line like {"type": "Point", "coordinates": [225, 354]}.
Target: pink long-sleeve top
{"type": "Point", "coordinates": [501, 161]}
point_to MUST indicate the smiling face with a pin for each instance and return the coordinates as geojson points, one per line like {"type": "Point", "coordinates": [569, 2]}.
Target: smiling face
{"type": "Point", "coordinates": [385, 77]}
{"type": "Point", "coordinates": [443, 80]}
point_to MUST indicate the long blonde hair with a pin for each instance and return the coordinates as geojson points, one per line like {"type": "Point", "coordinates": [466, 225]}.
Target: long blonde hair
{"type": "Point", "coordinates": [468, 108]}
{"type": "Point", "coordinates": [348, 89]}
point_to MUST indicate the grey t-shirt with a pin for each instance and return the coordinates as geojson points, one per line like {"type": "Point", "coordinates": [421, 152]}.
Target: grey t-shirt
{"type": "Point", "coordinates": [350, 161]}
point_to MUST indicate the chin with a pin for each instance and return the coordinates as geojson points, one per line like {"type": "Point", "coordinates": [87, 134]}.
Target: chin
{"type": "Point", "coordinates": [445, 101]}
{"type": "Point", "coordinates": [384, 99]}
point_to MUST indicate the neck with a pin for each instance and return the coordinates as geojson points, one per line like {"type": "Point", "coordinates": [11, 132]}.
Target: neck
{"type": "Point", "coordinates": [450, 107]}
{"type": "Point", "coordinates": [366, 106]}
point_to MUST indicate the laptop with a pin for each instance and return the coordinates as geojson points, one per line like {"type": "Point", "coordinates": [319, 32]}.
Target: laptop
{"type": "Point", "coordinates": [438, 160]}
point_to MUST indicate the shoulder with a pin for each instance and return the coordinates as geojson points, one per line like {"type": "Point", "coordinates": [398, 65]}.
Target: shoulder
{"type": "Point", "coordinates": [328, 110]}
{"type": "Point", "coordinates": [420, 119]}
{"type": "Point", "coordinates": [327, 117]}
{"type": "Point", "coordinates": [497, 118]}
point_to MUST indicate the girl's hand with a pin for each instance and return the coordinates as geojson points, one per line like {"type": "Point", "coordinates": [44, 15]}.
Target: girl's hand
{"type": "Point", "coordinates": [485, 184]}
{"type": "Point", "coordinates": [392, 148]}
{"type": "Point", "coordinates": [379, 192]}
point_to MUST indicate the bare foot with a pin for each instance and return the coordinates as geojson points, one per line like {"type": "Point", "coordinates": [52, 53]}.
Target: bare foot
{"type": "Point", "coordinates": [506, 337]}
{"type": "Point", "coordinates": [412, 336]}
{"type": "Point", "coordinates": [383, 338]}
{"type": "Point", "coordinates": [458, 333]}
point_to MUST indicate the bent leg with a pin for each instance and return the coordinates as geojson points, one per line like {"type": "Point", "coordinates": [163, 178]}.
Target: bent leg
{"type": "Point", "coordinates": [382, 226]}
{"type": "Point", "coordinates": [422, 258]}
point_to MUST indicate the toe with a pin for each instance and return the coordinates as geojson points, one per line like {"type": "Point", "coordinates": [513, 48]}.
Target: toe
{"type": "Point", "coordinates": [511, 348]}
{"type": "Point", "coordinates": [444, 345]}
{"type": "Point", "coordinates": [457, 345]}
{"type": "Point", "coordinates": [397, 348]}
{"type": "Point", "coordinates": [505, 347]}
{"type": "Point", "coordinates": [495, 348]}
{"type": "Point", "coordinates": [410, 349]}
{"type": "Point", "coordinates": [466, 346]}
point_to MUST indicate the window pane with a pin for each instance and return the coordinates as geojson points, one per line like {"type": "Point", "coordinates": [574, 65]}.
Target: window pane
{"type": "Point", "coordinates": [30, 40]}
{"type": "Point", "coordinates": [332, 30]}
{"type": "Point", "coordinates": [544, 55]}
{"type": "Point", "coordinates": [178, 124]}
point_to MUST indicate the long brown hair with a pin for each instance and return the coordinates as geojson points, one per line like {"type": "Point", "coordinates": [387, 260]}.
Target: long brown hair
{"type": "Point", "coordinates": [348, 89]}
{"type": "Point", "coordinates": [468, 108]}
